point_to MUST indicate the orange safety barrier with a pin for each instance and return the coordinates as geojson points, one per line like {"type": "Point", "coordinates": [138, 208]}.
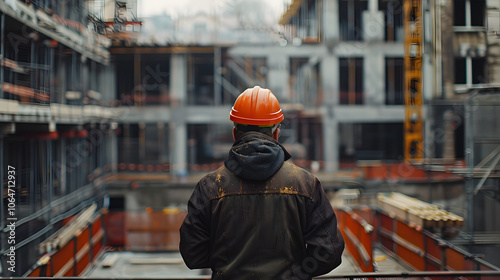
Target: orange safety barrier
{"type": "Point", "coordinates": [145, 231]}
{"type": "Point", "coordinates": [114, 223]}
{"type": "Point", "coordinates": [423, 250]}
{"type": "Point", "coordinates": [153, 230]}
{"type": "Point", "coordinates": [357, 235]}
{"type": "Point", "coordinates": [74, 257]}
{"type": "Point", "coordinates": [401, 171]}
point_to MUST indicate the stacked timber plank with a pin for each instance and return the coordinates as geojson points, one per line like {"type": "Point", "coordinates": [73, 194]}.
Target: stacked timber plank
{"type": "Point", "coordinates": [418, 212]}
{"type": "Point", "coordinates": [68, 231]}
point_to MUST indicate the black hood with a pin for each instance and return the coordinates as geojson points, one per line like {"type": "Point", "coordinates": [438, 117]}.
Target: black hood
{"type": "Point", "coordinates": [256, 156]}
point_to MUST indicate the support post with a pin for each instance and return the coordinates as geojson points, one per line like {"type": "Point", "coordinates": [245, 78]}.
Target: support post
{"type": "Point", "coordinates": [469, 161]}
{"type": "Point", "coordinates": [217, 76]}
{"type": "Point", "coordinates": [2, 51]}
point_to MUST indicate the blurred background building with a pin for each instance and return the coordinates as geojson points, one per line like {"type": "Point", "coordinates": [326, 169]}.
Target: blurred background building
{"type": "Point", "coordinates": [102, 106]}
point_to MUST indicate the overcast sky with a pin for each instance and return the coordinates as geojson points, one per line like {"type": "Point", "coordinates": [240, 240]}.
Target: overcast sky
{"type": "Point", "coordinates": [174, 7]}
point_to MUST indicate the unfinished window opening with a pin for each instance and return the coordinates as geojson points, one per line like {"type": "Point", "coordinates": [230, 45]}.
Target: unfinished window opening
{"type": "Point", "coordinates": [201, 79]}
{"type": "Point", "coordinates": [241, 72]}
{"type": "Point", "coordinates": [393, 16]}
{"type": "Point", "coordinates": [313, 23]}
{"type": "Point", "coordinates": [370, 141]}
{"type": "Point", "coordinates": [307, 22]}
{"type": "Point", "coordinates": [208, 144]}
{"type": "Point", "coordinates": [296, 79]}
{"type": "Point", "coordinates": [304, 81]}
{"type": "Point", "coordinates": [124, 80]}
{"type": "Point", "coordinates": [350, 19]}
{"type": "Point", "coordinates": [154, 79]}
{"type": "Point", "coordinates": [394, 81]}
{"type": "Point", "coordinates": [351, 80]}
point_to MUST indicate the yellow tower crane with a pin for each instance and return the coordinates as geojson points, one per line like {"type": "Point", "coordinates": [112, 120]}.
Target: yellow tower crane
{"type": "Point", "coordinates": [414, 144]}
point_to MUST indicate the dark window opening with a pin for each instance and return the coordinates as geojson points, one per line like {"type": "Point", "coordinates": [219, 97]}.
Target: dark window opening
{"type": "Point", "coordinates": [459, 13]}
{"type": "Point", "coordinates": [304, 81]}
{"type": "Point", "coordinates": [117, 203]}
{"type": "Point", "coordinates": [477, 9]}
{"type": "Point", "coordinates": [351, 80]}
{"type": "Point", "coordinates": [478, 70]}
{"type": "Point", "coordinates": [208, 144]}
{"type": "Point", "coordinates": [478, 66]}
{"type": "Point", "coordinates": [143, 143]}
{"type": "Point", "coordinates": [460, 71]}
{"type": "Point", "coordinates": [201, 79]}
{"type": "Point", "coordinates": [393, 16]}
{"type": "Point", "coordinates": [149, 87]}
{"type": "Point", "coordinates": [394, 94]}
{"type": "Point", "coordinates": [350, 17]}
{"type": "Point", "coordinates": [371, 141]}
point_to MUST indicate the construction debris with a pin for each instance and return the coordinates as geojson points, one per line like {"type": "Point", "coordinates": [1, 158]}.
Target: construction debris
{"type": "Point", "coordinates": [156, 261]}
{"type": "Point", "coordinates": [110, 260]}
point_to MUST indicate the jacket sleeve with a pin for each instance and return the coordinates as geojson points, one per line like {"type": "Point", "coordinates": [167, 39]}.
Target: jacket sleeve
{"type": "Point", "coordinates": [325, 243]}
{"type": "Point", "coordinates": [195, 232]}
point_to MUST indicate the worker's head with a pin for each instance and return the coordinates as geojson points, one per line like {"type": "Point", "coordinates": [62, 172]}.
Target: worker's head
{"type": "Point", "coordinates": [256, 109]}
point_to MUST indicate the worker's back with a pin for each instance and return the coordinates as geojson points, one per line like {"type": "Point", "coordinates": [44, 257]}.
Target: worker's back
{"type": "Point", "coordinates": [246, 226]}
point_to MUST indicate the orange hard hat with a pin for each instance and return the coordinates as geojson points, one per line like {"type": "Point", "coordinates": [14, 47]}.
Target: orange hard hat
{"type": "Point", "coordinates": [256, 106]}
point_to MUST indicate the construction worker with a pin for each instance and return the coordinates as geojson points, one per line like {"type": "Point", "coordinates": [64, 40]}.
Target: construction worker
{"type": "Point", "coordinates": [259, 216]}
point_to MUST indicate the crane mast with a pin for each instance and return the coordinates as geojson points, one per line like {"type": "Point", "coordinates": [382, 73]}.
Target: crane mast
{"type": "Point", "coordinates": [413, 129]}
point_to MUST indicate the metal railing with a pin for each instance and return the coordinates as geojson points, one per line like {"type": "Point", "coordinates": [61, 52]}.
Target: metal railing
{"type": "Point", "coordinates": [437, 275]}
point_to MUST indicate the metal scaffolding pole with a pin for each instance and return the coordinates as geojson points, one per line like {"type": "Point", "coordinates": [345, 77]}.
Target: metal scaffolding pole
{"type": "Point", "coordinates": [2, 52]}
{"type": "Point", "coordinates": [2, 206]}
{"type": "Point", "coordinates": [49, 180]}
{"type": "Point", "coordinates": [469, 161]}
{"type": "Point", "coordinates": [32, 177]}
{"type": "Point", "coordinates": [2, 214]}
{"type": "Point", "coordinates": [217, 75]}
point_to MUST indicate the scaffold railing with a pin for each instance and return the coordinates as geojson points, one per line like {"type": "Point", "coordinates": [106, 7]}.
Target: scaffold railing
{"type": "Point", "coordinates": [437, 275]}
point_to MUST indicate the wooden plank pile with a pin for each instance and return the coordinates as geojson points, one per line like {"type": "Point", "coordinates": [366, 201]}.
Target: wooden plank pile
{"type": "Point", "coordinates": [61, 237]}
{"type": "Point", "coordinates": [420, 213]}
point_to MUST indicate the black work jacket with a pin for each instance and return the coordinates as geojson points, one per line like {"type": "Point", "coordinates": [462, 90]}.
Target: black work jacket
{"type": "Point", "coordinates": [282, 227]}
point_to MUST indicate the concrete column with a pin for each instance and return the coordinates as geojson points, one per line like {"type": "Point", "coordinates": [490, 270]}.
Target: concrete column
{"type": "Point", "coordinates": [331, 21]}
{"type": "Point", "coordinates": [178, 161]}
{"type": "Point", "coordinates": [178, 126]}
{"type": "Point", "coordinates": [427, 77]}
{"type": "Point", "coordinates": [105, 86]}
{"type": "Point", "coordinates": [277, 76]}
{"type": "Point", "coordinates": [178, 79]}
{"type": "Point", "coordinates": [331, 141]}
{"type": "Point", "coordinates": [330, 79]}
{"type": "Point", "coordinates": [373, 5]}
{"type": "Point", "coordinates": [373, 22]}
{"type": "Point", "coordinates": [374, 79]}
{"type": "Point", "coordinates": [112, 151]}
{"type": "Point", "coordinates": [447, 41]}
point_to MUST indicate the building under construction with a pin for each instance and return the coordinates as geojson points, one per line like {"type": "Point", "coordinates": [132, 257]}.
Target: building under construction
{"type": "Point", "coordinates": [394, 105]}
